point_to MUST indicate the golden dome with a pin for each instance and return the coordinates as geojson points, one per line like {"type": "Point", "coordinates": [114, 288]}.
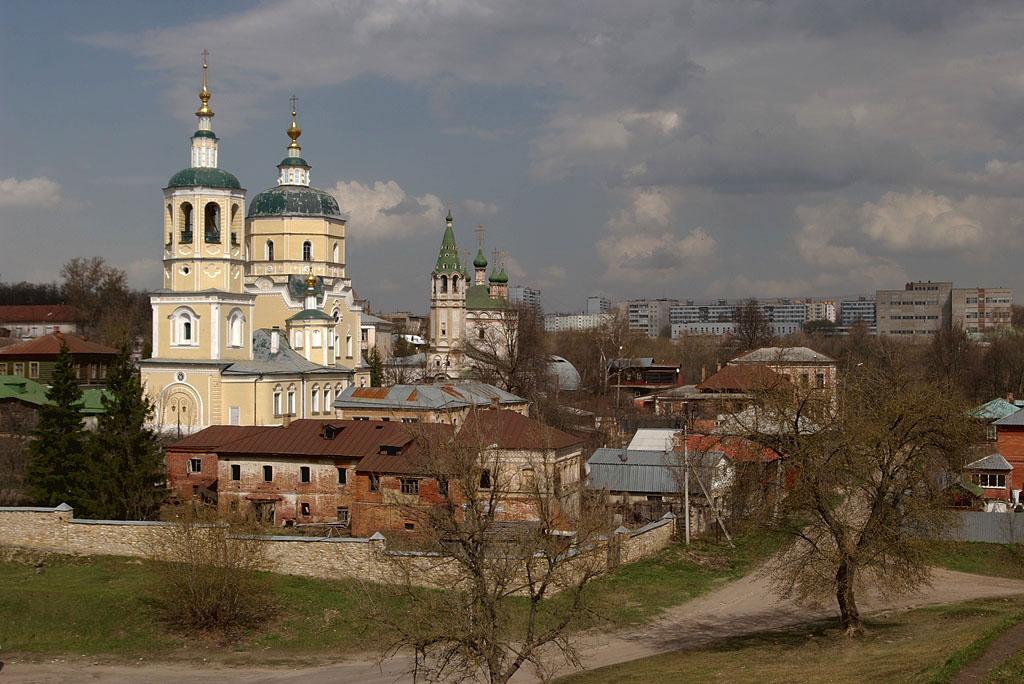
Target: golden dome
{"type": "Point", "coordinates": [204, 94]}
{"type": "Point", "coordinates": [294, 131]}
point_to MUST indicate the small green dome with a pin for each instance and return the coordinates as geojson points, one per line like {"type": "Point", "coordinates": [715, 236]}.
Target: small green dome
{"type": "Point", "coordinates": [502, 278]}
{"type": "Point", "coordinates": [494, 277]}
{"type": "Point", "coordinates": [204, 134]}
{"type": "Point", "coordinates": [203, 176]}
{"type": "Point", "coordinates": [294, 161]}
{"type": "Point", "coordinates": [294, 200]}
{"type": "Point", "coordinates": [481, 260]}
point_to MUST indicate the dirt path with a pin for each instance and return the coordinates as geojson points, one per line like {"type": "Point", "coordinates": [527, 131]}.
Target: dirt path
{"type": "Point", "coordinates": [738, 608]}
{"type": "Point", "coordinates": [1008, 643]}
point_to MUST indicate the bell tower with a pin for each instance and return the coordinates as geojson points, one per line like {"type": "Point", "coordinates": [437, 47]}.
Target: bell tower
{"type": "Point", "coordinates": [448, 283]}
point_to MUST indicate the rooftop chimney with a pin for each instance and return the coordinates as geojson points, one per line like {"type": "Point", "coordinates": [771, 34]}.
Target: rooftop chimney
{"type": "Point", "coordinates": [275, 340]}
{"type": "Point", "coordinates": [494, 403]}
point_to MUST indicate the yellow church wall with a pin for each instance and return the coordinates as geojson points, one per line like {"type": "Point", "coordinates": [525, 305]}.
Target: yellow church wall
{"type": "Point", "coordinates": [185, 267]}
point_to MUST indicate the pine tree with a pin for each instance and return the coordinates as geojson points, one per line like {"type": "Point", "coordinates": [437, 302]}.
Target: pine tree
{"type": "Point", "coordinates": [127, 464]}
{"type": "Point", "coordinates": [56, 472]}
{"type": "Point", "coordinates": [376, 364]}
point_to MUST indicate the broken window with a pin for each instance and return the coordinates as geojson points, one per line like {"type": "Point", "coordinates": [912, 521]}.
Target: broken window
{"type": "Point", "coordinates": [410, 485]}
{"type": "Point", "coordinates": [343, 515]}
{"type": "Point", "coordinates": [195, 465]}
{"type": "Point", "coordinates": [342, 476]}
{"type": "Point", "coordinates": [304, 474]}
{"type": "Point", "coordinates": [375, 483]}
{"type": "Point", "coordinates": [236, 472]}
{"type": "Point", "coordinates": [305, 510]}
{"type": "Point", "coordinates": [485, 479]}
{"type": "Point", "coordinates": [268, 473]}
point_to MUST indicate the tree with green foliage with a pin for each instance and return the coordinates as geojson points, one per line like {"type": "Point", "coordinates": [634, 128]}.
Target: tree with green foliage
{"type": "Point", "coordinates": [376, 362]}
{"type": "Point", "coordinates": [127, 465]}
{"type": "Point", "coordinates": [57, 466]}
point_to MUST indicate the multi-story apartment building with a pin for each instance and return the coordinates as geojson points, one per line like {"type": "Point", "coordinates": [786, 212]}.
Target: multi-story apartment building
{"type": "Point", "coordinates": [560, 322]}
{"type": "Point", "coordinates": [598, 305]}
{"type": "Point", "coordinates": [981, 310]}
{"type": "Point", "coordinates": [527, 296]}
{"type": "Point", "coordinates": [648, 315]}
{"type": "Point", "coordinates": [719, 317]}
{"type": "Point", "coordinates": [853, 310]}
{"type": "Point", "coordinates": [820, 310]}
{"type": "Point", "coordinates": [918, 309]}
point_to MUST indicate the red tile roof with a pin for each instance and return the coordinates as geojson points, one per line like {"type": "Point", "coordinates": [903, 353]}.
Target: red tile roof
{"type": "Point", "coordinates": [511, 430]}
{"type": "Point", "coordinates": [39, 313]}
{"type": "Point", "coordinates": [50, 345]}
{"type": "Point", "coordinates": [743, 379]}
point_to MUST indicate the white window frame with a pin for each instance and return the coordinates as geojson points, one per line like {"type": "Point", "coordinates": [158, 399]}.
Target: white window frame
{"type": "Point", "coordinates": [181, 317]}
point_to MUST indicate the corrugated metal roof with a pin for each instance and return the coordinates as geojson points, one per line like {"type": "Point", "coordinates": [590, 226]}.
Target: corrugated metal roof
{"type": "Point", "coordinates": [217, 436]}
{"type": "Point", "coordinates": [994, 410]}
{"type": "Point", "coordinates": [38, 313]}
{"type": "Point", "coordinates": [284, 361]}
{"type": "Point", "coordinates": [743, 379]}
{"type": "Point", "coordinates": [441, 396]}
{"type": "Point", "coordinates": [641, 471]}
{"type": "Point", "coordinates": [1013, 419]}
{"type": "Point", "coordinates": [991, 462]}
{"type": "Point", "coordinates": [770, 355]}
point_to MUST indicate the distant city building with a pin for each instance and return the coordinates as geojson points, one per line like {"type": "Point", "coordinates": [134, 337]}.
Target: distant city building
{"type": "Point", "coordinates": [918, 309]}
{"type": "Point", "coordinates": [981, 310]}
{"type": "Point", "coordinates": [598, 305]}
{"type": "Point", "coordinates": [820, 310]}
{"type": "Point", "coordinates": [719, 318]}
{"type": "Point", "coordinates": [560, 322]}
{"type": "Point", "coordinates": [853, 310]}
{"type": "Point", "coordinates": [527, 296]}
{"type": "Point", "coordinates": [648, 315]}
{"type": "Point", "coordinates": [925, 308]}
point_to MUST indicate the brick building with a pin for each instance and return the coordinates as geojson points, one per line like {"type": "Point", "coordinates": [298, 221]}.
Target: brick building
{"type": "Point", "coordinates": [28, 321]}
{"type": "Point", "coordinates": [1010, 445]}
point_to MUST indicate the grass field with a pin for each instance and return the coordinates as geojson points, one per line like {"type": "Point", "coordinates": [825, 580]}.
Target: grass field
{"type": "Point", "coordinates": [101, 606]}
{"type": "Point", "coordinates": [909, 647]}
{"type": "Point", "coordinates": [1010, 672]}
{"type": "Point", "coordinates": [997, 560]}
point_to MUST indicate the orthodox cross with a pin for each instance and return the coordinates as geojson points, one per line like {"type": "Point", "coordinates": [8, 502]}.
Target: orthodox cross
{"type": "Point", "coordinates": [480, 235]}
{"type": "Point", "coordinates": [206, 54]}
{"type": "Point", "coordinates": [503, 254]}
{"type": "Point", "coordinates": [494, 258]}
{"type": "Point", "coordinates": [294, 100]}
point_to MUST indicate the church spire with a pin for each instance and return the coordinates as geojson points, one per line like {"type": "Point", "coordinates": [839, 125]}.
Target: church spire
{"type": "Point", "coordinates": [293, 169]}
{"type": "Point", "coordinates": [204, 142]}
{"type": "Point", "coordinates": [448, 258]}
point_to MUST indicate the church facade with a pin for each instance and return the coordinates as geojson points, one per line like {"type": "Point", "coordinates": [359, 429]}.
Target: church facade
{"type": "Point", "coordinates": [469, 314]}
{"type": "Point", "coordinates": [256, 321]}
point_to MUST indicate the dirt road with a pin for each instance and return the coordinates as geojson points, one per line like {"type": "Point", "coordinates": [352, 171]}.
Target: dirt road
{"type": "Point", "coordinates": [741, 607]}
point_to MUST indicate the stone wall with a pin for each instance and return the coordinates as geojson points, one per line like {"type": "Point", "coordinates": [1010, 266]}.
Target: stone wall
{"type": "Point", "coordinates": [55, 529]}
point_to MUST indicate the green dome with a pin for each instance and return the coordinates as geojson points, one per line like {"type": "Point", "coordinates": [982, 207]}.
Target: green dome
{"type": "Point", "coordinates": [481, 260]}
{"type": "Point", "coordinates": [494, 277]}
{"type": "Point", "coordinates": [294, 200]}
{"type": "Point", "coordinates": [204, 176]}
{"type": "Point", "coordinates": [502, 278]}
{"type": "Point", "coordinates": [294, 161]}
{"type": "Point", "coordinates": [204, 134]}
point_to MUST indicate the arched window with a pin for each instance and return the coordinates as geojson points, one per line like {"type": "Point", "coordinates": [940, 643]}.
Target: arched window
{"type": "Point", "coordinates": [186, 222]}
{"type": "Point", "coordinates": [455, 283]}
{"type": "Point", "coordinates": [444, 284]}
{"type": "Point", "coordinates": [298, 339]}
{"type": "Point", "coordinates": [235, 326]}
{"type": "Point", "coordinates": [270, 250]}
{"type": "Point", "coordinates": [184, 328]}
{"type": "Point", "coordinates": [211, 225]}
{"type": "Point", "coordinates": [291, 400]}
{"type": "Point", "coordinates": [337, 253]}
{"type": "Point", "coordinates": [235, 224]}
{"type": "Point", "coordinates": [348, 346]}
{"type": "Point", "coordinates": [317, 340]}
{"type": "Point", "coordinates": [307, 251]}
{"type": "Point", "coordinates": [277, 400]}
{"type": "Point", "coordinates": [314, 396]}
{"type": "Point", "coordinates": [327, 398]}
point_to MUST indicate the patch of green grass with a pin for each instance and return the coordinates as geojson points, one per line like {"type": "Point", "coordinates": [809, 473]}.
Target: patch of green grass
{"type": "Point", "coordinates": [963, 657]}
{"type": "Point", "coordinates": [1010, 672]}
{"type": "Point", "coordinates": [997, 560]}
{"type": "Point", "coordinates": [637, 592]}
{"type": "Point", "coordinates": [903, 647]}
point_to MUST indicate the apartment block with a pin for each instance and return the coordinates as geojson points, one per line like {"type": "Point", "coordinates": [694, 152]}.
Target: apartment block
{"type": "Point", "coordinates": [719, 317]}
{"type": "Point", "coordinates": [527, 296]}
{"type": "Point", "coordinates": [648, 315]}
{"type": "Point", "coordinates": [861, 309]}
{"type": "Point", "coordinates": [981, 310]}
{"type": "Point", "coordinates": [820, 310]}
{"type": "Point", "coordinates": [920, 308]}
{"type": "Point", "coordinates": [574, 321]}
{"type": "Point", "coordinates": [598, 305]}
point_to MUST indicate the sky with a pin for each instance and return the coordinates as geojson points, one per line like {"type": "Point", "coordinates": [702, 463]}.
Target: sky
{"type": "Point", "coordinates": [691, 150]}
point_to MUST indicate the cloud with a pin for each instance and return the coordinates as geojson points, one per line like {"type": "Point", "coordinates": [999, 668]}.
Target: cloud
{"type": "Point", "coordinates": [640, 243]}
{"type": "Point", "coordinates": [37, 193]}
{"type": "Point", "coordinates": [479, 208]}
{"type": "Point", "coordinates": [922, 221]}
{"type": "Point", "coordinates": [385, 211]}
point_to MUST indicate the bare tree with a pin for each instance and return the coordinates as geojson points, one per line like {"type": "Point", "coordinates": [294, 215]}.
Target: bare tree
{"type": "Point", "coordinates": [753, 330]}
{"type": "Point", "coordinates": [863, 480]}
{"type": "Point", "coordinates": [509, 353]}
{"type": "Point", "coordinates": [206, 575]}
{"type": "Point", "coordinates": [513, 590]}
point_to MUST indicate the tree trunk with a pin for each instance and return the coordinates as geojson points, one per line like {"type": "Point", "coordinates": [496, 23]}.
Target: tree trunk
{"type": "Point", "coordinates": [849, 616]}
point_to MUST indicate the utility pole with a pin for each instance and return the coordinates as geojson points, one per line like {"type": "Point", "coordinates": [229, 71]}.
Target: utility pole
{"type": "Point", "coordinates": [686, 485]}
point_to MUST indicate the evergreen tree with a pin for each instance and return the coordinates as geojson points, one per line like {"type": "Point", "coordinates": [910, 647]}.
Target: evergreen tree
{"type": "Point", "coordinates": [127, 464]}
{"type": "Point", "coordinates": [56, 472]}
{"type": "Point", "coordinates": [376, 363]}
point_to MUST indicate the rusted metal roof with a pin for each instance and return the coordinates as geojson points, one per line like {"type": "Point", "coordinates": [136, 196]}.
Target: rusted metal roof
{"type": "Point", "coordinates": [217, 436]}
{"type": "Point", "coordinates": [50, 344]}
{"type": "Point", "coordinates": [38, 313]}
{"type": "Point", "coordinates": [743, 379]}
{"type": "Point", "coordinates": [511, 430]}
{"type": "Point", "coordinates": [370, 392]}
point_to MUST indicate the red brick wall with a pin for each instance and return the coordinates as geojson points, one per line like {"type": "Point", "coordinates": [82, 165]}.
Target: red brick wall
{"type": "Point", "coordinates": [184, 482]}
{"type": "Point", "coordinates": [1010, 443]}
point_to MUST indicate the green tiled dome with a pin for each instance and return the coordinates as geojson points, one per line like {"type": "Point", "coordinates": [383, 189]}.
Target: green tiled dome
{"type": "Point", "coordinates": [204, 176]}
{"type": "Point", "coordinates": [294, 200]}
